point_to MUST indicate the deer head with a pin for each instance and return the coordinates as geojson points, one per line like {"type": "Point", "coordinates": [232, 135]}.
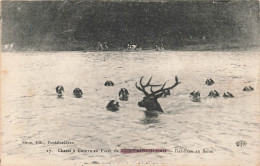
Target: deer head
{"type": "Point", "coordinates": [150, 100]}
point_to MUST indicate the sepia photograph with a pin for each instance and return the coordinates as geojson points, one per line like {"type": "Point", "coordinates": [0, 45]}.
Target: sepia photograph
{"type": "Point", "coordinates": [130, 82]}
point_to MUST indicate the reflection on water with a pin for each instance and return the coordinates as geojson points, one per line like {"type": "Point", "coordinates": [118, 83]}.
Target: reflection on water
{"type": "Point", "coordinates": [151, 114]}
{"type": "Point", "coordinates": [32, 111]}
{"type": "Point", "coordinates": [150, 117]}
{"type": "Point", "coordinates": [59, 96]}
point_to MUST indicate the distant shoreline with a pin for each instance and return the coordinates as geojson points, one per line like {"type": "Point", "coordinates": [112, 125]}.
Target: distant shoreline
{"type": "Point", "coordinates": [206, 47]}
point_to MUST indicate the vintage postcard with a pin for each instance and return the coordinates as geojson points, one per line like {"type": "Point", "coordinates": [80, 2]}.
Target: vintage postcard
{"type": "Point", "coordinates": [130, 82]}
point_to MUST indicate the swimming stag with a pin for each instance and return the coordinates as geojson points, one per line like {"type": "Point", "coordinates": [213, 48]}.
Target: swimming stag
{"type": "Point", "coordinates": [150, 100]}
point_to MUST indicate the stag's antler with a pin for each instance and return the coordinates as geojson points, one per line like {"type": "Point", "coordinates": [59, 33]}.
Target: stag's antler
{"type": "Point", "coordinates": [162, 88]}
{"type": "Point", "coordinates": [142, 88]}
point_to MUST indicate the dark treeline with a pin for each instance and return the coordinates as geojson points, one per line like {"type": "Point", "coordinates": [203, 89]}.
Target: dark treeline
{"type": "Point", "coordinates": [75, 25]}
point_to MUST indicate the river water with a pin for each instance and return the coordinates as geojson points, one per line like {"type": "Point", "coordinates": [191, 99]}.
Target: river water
{"type": "Point", "coordinates": [31, 110]}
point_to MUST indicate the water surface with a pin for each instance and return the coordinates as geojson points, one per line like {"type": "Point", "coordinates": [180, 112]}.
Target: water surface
{"type": "Point", "coordinates": [33, 112]}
